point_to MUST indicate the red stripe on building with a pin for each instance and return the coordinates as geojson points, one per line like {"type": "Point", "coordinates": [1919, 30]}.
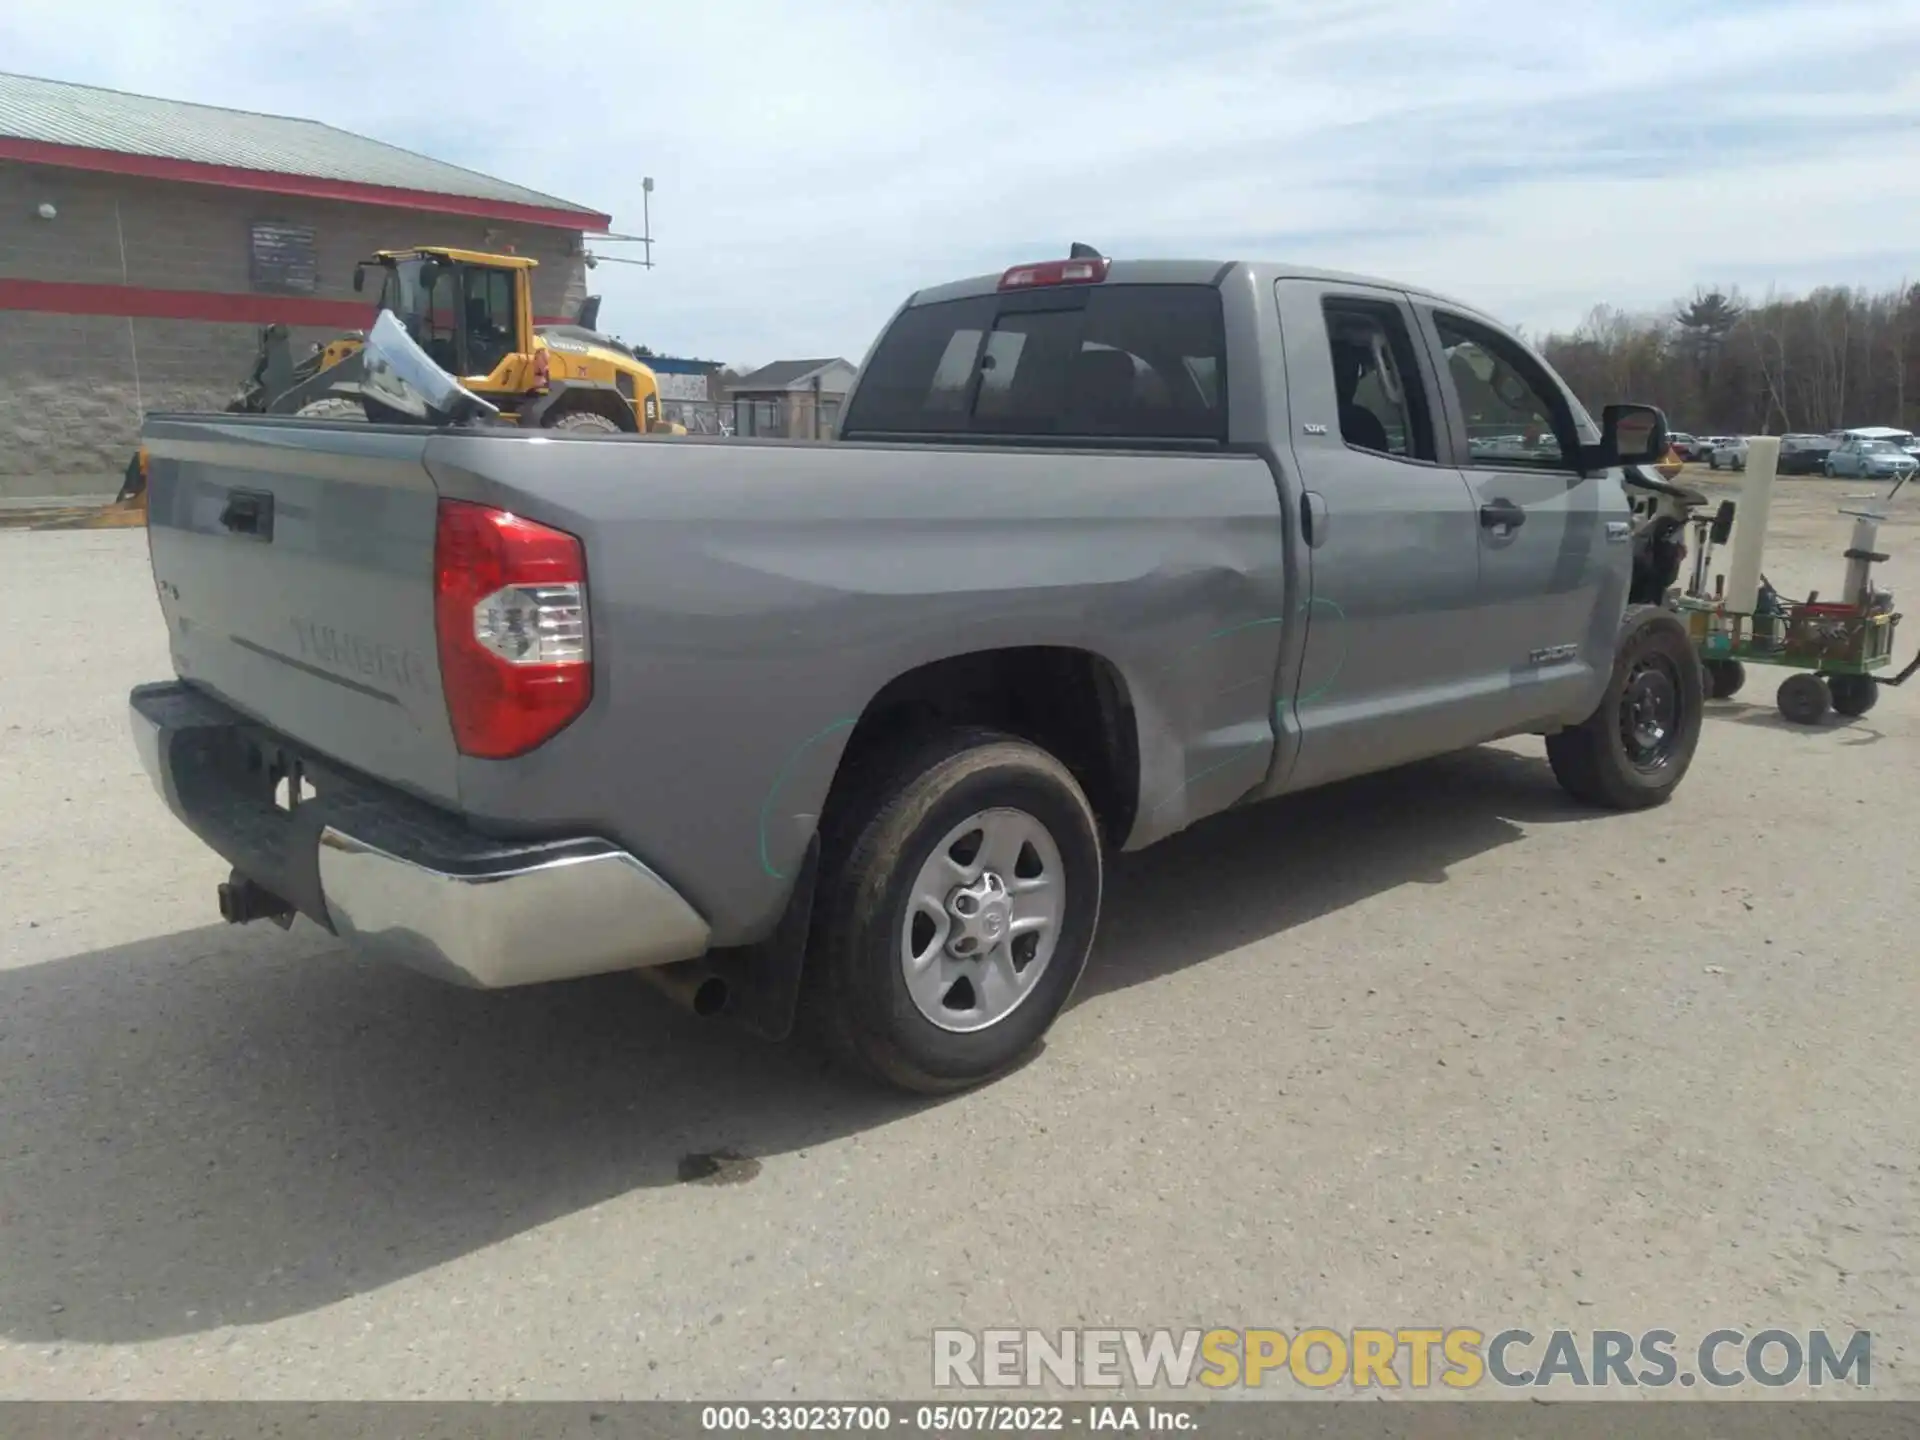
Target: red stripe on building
{"type": "Point", "coordinates": [60, 297]}
{"type": "Point", "coordinates": [312, 187]}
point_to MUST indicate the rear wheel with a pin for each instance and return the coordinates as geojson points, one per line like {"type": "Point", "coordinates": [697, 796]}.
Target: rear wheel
{"type": "Point", "coordinates": [1636, 747]}
{"type": "Point", "coordinates": [1803, 699]}
{"type": "Point", "coordinates": [1853, 694]}
{"type": "Point", "coordinates": [1724, 678]}
{"type": "Point", "coordinates": [333, 407]}
{"type": "Point", "coordinates": [588, 420]}
{"type": "Point", "coordinates": [959, 899]}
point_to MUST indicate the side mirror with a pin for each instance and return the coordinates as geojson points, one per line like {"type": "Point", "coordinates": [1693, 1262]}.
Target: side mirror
{"type": "Point", "coordinates": [359, 278]}
{"type": "Point", "coordinates": [1630, 435]}
{"type": "Point", "coordinates": [1722, 529]}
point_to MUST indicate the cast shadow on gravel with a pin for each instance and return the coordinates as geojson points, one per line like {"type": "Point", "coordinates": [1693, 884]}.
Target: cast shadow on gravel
{"type": "Point", "coordinates": [1766, 716]}
{"type": "Point", "coordinates": [230, 1126]}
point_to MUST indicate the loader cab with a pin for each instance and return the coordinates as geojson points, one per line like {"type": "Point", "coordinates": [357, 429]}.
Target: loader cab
{"type": "Point", "coordinates": [472, 314]}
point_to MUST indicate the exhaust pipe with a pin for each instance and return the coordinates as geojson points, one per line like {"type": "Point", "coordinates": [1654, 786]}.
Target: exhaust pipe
{"type": "Point", "coordinates": [691, 985]}
{"type": "Point", "coordinates": [242, 902]}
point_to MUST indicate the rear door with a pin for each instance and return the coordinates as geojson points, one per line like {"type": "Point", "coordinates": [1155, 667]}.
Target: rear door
{"type": "Point", "coordinates": [1392, 660]}
{"type": "Point", "coordinates": [1556, 557]}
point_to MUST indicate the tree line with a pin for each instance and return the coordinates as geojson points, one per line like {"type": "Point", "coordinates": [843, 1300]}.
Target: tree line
{"type": "Point", "coordinates": [1720, 364]}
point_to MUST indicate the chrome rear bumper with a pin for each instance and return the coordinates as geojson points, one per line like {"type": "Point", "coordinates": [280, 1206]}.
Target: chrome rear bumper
{"type": "Point", "coordinates": [401, 880]}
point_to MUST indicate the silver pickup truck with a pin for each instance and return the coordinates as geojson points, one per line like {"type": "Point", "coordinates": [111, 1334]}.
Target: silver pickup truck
{"type": "Point", "coordinates": [846, 730]}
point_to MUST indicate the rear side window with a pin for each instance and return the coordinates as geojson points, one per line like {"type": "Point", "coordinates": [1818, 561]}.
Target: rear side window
{"type": "Point", "coordinates": [1130, 362]}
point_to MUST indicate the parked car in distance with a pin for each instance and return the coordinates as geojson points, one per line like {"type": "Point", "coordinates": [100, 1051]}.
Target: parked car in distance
{"type": "Point", "coordinates": [1870, 460]}
{"type": "Point", "coordinates": [1805, 454]}
{"type": "Point", "coordinates": [1729, 454]}
{"type": "Point", "coordinates": [1903, 439]}
{"type": "Point", "coordinates": [1104, 548]}
{"type": "Point", "coordinates": [1686, 446]}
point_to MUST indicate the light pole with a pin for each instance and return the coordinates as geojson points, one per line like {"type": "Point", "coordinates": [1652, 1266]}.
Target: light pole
{"type": "Point", "coordinates": [646, 218]}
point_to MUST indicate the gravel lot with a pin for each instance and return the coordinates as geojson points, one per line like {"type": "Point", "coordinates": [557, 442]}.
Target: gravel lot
{"type": "Point", "coordinates": [1435, 1048]}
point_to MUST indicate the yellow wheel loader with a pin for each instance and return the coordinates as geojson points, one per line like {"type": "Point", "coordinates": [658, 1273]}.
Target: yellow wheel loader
{"type": "Point", "coordinates": [473, 314]}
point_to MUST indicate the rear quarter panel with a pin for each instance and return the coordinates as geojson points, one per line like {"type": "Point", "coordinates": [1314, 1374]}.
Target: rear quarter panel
{"type": "Point", "coordinates": [749, 599]}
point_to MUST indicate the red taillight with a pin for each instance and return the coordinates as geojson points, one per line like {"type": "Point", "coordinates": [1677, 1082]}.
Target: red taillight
{"type": "Point", "coordinates": [510, 609]}
{"type": "Point", "coordinates": [542, 369]}
{"type": "Point", "coordinates": [1056, 272]}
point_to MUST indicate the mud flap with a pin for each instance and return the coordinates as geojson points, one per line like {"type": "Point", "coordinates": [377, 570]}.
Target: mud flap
{"type": "Point", "coordinates": [763, 979]}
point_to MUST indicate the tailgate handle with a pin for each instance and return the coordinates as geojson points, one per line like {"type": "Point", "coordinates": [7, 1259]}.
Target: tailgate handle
{"type": "Point", "coordinates": [249, 512]}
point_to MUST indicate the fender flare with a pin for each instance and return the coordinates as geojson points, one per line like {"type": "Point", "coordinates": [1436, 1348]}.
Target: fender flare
{"type": "Point", "coordinates": [565, 395]}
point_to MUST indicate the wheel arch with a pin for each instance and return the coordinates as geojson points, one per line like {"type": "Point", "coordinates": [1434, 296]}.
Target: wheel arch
{"type": "Point", "coordinates": [565, 397]}
{"type": "Point", "coordinates": [1072, 702]}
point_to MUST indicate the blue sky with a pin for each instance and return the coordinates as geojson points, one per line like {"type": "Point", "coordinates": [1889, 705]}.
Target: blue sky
{"type": "Point", "coordinates": [815, 163]}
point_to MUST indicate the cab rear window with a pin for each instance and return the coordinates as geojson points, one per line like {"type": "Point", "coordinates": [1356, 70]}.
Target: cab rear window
{"type": "Point", "coordinates": [1107, 363]}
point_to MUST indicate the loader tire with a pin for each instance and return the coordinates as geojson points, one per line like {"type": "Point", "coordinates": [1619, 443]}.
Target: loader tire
{"type": "Point", "coordinates": [333, 407]}
{"type": "Point", "coordinates": [589, 422]}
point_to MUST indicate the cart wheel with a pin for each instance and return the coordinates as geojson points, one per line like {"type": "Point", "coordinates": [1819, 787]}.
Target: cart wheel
{"type": "Point", "coordinates": [1853, 694]}
{"type": "Point", "coordinates": [1724, 678]}
{"type": "Point", "coordinates": [1803, 699]}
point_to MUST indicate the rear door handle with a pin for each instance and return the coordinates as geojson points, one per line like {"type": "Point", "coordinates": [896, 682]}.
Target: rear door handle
{"type": "Point", "coordinates": [249, 513]}
{"type": "Point", "coordinates": [1502, 517]}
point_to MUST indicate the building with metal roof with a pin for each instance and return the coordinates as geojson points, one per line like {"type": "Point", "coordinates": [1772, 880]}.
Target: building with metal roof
{"type": "Point", "coordinates": [144, 241]}
{"type": "Point", "coordinates": [53, 122]}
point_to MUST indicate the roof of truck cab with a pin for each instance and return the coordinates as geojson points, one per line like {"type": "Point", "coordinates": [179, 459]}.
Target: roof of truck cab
{"type": "Point", "coordinates": [1196, 272]}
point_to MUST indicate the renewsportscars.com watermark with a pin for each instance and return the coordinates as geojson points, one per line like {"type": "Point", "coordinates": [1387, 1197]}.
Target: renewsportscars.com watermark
{"type": "Point", "coordinates": [1321, 1358]}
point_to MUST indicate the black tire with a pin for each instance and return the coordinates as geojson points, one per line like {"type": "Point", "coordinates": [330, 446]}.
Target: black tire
{"type": "Point", "coordinates": [1724, 678]}
{"type": "Point", "coordinates": [590, 421]}
{"type": "Point", "coordinates": [1613, 759]}
{"type": "Point", "coordinates": [1713, 462]}
{"type": "Point", "coordinates": [1803, 699]}
{"type": "Point", "coordinates": [874, 844]}
{"type": "Point", "coordinates": [1853, 695]}
{"type": "Point", "coordinates": [332, 407]}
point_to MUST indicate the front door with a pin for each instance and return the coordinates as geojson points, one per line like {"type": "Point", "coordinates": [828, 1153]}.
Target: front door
{"type": "Point", "coordinates": [1556, 557]}
{"type": "Point", "coordinates": [1392, 660]}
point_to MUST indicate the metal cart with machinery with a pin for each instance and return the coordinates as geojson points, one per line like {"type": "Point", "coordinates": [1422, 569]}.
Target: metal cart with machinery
{"type": "Point", "coordinates": [1837, 648]}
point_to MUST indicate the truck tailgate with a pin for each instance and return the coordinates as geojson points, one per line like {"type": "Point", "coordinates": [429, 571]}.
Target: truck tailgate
{"type": "Point", "coordinates": [294, 561]}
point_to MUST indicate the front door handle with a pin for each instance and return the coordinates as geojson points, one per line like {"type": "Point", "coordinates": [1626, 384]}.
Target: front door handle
{"type": "Point", "coordinates": [1502, 517]}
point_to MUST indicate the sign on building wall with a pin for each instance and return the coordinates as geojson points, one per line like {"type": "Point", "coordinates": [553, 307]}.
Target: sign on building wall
{"type": "Point", "coordinates": [284, 259]}
{"type": "Point", "coordinates": [681, 387]}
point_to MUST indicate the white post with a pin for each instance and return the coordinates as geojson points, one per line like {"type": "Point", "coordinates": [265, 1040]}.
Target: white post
{"type": "Point", "coordinates": [1750, 524]}
{"type": "Point", "coordinates": [1866, 535]}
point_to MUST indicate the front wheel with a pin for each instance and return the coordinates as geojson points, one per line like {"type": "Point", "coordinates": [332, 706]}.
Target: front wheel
{"type": "Point", "coordinates": [959, 899]}
{"type": "Point", "coordinates": [332, 407]}
{"type": "Point", "coordinates": [1636, 747]}
{"type": "Point", "coordinates": [588, 421]}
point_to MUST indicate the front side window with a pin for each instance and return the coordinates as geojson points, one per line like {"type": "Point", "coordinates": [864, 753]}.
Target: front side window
{"type": "Point", "coordinates": [424, 296]}
{"type": "Point", "coordinates": [1515, 417]}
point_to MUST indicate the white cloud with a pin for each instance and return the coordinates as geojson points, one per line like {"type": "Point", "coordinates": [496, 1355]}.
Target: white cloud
{"type": "Point", "coordinates": [814, 165]}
